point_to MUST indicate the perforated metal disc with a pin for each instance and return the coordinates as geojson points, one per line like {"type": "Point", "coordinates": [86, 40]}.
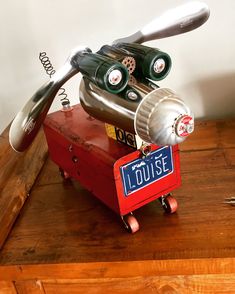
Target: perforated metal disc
{"type": "Point", "coordinates": [129, 63]}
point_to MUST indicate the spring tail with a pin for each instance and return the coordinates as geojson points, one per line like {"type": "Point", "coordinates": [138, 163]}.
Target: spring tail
{"type": "Point", "coordinates": [63, 97]}
{"type": "Point", "coordinates": [46, 63]}
{"type": "Point", "coordinates": [49, 69]}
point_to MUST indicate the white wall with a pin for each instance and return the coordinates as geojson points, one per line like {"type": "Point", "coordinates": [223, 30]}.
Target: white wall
{"type": "Point", "coordinates": [203, 70]}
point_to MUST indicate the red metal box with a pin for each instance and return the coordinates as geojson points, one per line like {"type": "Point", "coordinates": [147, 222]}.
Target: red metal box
{"type": "Point", "coordinates": [78, 144]}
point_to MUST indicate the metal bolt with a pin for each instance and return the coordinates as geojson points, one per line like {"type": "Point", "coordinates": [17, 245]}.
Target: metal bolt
{"type": "Point", "coordinates": [132, 96]}
{"type": "Point", "coordinates": [75, 159]}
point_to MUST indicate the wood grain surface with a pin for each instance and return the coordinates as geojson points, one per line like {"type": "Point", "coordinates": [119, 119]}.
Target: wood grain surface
{"type": "Point", "coordinates": [63, 232]}
{"type": "Point", "coordinates": [17, 176]}
{"type": "Point", "coordinates": [7, 287]}
{"type": "Point", "coordinates": [161, 285]}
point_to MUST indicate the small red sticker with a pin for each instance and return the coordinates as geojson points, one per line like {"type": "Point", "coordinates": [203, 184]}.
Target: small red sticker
{"type": "Point", "coordinates": [184, 126]}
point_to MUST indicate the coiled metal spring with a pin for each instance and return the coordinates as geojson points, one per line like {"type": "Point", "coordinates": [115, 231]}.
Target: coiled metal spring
{"type": "Point", "coordinates": [46, 63]}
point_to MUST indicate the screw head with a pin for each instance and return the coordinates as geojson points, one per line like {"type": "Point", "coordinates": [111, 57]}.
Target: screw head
{"type": "Point", "coordinates": [132, 96]}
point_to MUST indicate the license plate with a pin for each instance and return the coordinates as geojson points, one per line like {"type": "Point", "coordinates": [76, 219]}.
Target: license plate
{"type": "Point", "coordinates": [140, 173]}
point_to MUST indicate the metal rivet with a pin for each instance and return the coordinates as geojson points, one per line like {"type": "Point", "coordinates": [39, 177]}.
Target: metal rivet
{"type": "Point", "coordinates": [132, 96]}
{"type": "Point", "coordinates": [75, 159]}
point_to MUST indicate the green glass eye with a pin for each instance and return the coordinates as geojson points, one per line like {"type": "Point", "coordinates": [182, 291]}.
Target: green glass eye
{"type": "Point", "coordinates": [105, 72]}
{"type": "Point", "coordinates": [150, 63]}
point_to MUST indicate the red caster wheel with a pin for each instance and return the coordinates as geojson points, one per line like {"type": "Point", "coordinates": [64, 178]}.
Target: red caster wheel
{"type": "Point", "coordinates": [131, 223]}
{"type": "Point", "coordinates": [64, 174]}
{"type": "Point", "coordinates": [169, 204]}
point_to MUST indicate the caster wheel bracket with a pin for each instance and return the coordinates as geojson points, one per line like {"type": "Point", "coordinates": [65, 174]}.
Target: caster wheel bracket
{"type": "Point", "coordinates": [130, 223]}
{"type": "Point", "coordinates": [169, 203]}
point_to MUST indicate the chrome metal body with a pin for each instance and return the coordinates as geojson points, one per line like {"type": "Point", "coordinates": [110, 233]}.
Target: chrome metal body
{"type": "Point", "coordinates": [153, 119]}
{"type": "Point", "coordinates": [28, 121]}
{"type": "Point", "coordinates": [109, 107]}
{"type": "Point", "coordinates": [179, 20]}
{"type": "Point", "coordinates": [157, 115]}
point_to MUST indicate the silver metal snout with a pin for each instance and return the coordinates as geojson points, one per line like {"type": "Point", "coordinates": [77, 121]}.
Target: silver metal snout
{"type": "Point", "coordinates": [161, 117]}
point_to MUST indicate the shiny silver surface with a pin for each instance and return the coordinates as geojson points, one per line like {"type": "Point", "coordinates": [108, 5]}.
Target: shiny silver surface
{"type": "Point", "coordinates": [132, 96]}
{"type": "Point", "coordinates": [107, 107]}
{"type": "Point", "coordinates": [143, 87]}
{"type": "Point", "coordinates": [153, 119]}
{"type": "Point", "coordinates": [156, 117]}
{"type": "Point", "coordinates": [181, 19]}
{"type": "Point", "coordinates": [27, 122]}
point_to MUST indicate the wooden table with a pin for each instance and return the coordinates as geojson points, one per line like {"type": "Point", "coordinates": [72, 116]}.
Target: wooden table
{"type": "Point", "coordinates": [66, 241]}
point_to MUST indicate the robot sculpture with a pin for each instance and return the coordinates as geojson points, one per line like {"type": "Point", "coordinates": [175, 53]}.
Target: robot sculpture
{"type": "Point", "coordinates": [121, 142]}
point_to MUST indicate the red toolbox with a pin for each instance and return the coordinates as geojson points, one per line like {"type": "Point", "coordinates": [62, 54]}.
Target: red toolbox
{"type": "Point", "coordinates": [115, 173]}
